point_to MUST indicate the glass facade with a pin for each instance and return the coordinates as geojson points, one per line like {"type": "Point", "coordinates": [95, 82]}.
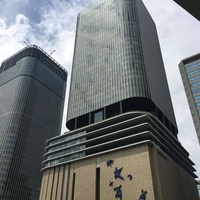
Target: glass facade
{"type": "Point", "coordinates": [116, 57]}
{"type": "Point", "coordinates": [190, 73]}
{"type": "Point", "coordinates": [65, 148]}
{"type": "Point", "coordinates": [32, 92]}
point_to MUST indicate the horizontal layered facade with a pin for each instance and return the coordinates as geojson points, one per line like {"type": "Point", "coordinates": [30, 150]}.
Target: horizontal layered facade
{"type": "Point", "coordinates": [115, 133]}
{"type": "Point", "coordinates": [79, 158]}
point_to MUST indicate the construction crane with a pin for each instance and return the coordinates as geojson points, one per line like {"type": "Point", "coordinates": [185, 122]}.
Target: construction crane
{"type": "Point", "coordinates": [52, 52]}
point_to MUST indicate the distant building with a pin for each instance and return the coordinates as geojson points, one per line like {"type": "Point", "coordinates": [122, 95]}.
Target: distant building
{"type": "Point", "coordinates": [192, 6]}
{"type": "Point", "coordinates": [122, 142]}
{"type": "Point", "coordinates": [190, 73]}
{"type": "Point", "coordinates": [32, 93]}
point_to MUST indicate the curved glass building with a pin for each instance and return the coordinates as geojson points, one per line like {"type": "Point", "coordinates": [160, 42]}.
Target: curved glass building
{"type": "Point", "coordinates": [122, 142]}
{"type": "Point", "coordinates": [32, 93]}
{"type": "Point", "coordinates": [117, 57]}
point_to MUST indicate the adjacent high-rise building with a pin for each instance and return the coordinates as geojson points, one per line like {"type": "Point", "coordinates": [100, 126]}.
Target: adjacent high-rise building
{"type": "Point", "coordinates": [122, 142]}
{"type": "Point", "coordinates": [32, 93]}
{"type": "Point", "coordinates": [190, 73]}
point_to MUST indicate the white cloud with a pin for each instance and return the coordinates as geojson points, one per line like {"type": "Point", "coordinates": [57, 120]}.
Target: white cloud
{"type": "Point", "coordinates": [12, 36]}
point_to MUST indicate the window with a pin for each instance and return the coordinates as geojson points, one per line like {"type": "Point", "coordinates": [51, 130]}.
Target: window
{"type": "Point", "coordinates": [197, 97]}
{"type": "Point", "coordinates": [192, 66]}
{"type": "Point", "coordinates": [195, 84]}
{"type": "Point", "coordinates": [98, 116]}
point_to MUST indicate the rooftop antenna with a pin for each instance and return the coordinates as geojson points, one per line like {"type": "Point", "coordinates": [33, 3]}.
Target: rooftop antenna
{"type": "Point", "coordinates": [26, 43]}
{"type": "Point", "coordinates": [52, 52]}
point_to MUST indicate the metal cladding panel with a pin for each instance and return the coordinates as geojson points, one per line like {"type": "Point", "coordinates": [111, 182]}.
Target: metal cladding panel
{"type": "Point", "coordinates": [160, 94]}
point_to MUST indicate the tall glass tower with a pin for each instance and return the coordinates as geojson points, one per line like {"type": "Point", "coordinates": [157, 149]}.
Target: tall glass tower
{"type": "Point", "coordinates": [32, 93]}
{"type": "Point", "coordinates": [122, 142]}
{"type": "Point", "coordinates": [117, 61]}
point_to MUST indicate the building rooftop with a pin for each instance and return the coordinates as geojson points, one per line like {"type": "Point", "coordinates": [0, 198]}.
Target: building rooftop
{"type": "Point", "coordinates": [191, 59]}
{"type": "Point", "coordinates": [27, 51]}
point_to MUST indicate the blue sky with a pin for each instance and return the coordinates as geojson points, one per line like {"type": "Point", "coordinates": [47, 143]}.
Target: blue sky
{"type": "Point", "coordinates": [51, 25]}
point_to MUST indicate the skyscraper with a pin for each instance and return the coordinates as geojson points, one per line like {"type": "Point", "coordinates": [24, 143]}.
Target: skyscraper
{"type": "Point", "coordinates": [119, 62]}
{"type": "Point", "coordinates": [32, 93]}
{"type": "Point", "coordinates": [122, 142]}
{"type": "Point", "coordinates": [190, 73]}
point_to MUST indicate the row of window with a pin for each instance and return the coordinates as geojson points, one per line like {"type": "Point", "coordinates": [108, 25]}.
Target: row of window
{"type": "Point", "coordinates": [192, 66]}
{"type": "Point", "coordinates": [197, 97]}
{"type": "Point", "coordinates": [195, 84]}
{"type": "Point", "coordinates": [70, 150]}
{"type": "Point", "coordinates": [194, 78]}
{"type": "Point", "coordinates": [68, 137]}
{"type": "Point", "coordinates": [193, 72]}
{"type": "Point", "coordinates": [63, 159]}
{"type": "Point", "coordinates": [60, 73]}
{"type": "Point", "coordinates": [67, 144]}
